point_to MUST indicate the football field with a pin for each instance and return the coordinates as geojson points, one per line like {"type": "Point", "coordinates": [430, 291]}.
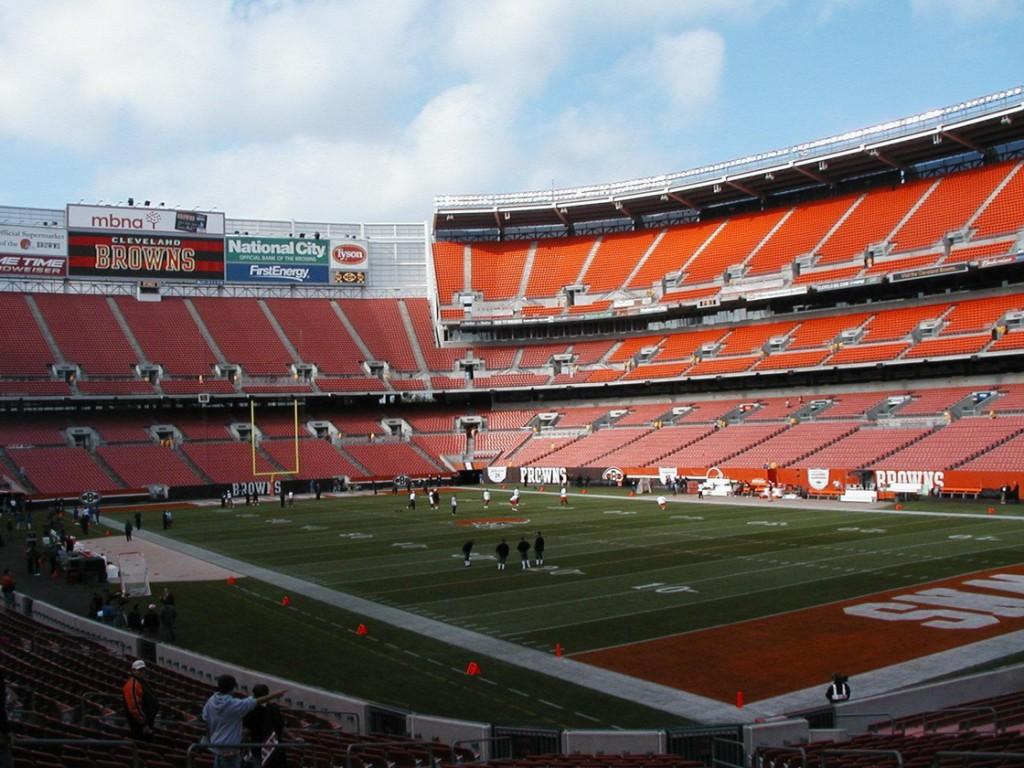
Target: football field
{"type": "Point", "coordinates": [623, 580]}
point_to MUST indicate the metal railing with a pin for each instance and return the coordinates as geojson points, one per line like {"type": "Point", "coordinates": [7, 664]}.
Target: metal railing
{"type": "Point", "coordinates": [965, 757]}
{"type": "Point", "coordinates": [200, 746]}
{"type": "Point", "coordinates": [796, 751]}
{"type": "Point", "coordinates": [468, 742]}
{"type": "Point", "coordinates": [951, 710]}
{"type": "Point", "coordinates": [407, 744]}
{"type": "Point", "coordinates": [733, 756]}
{"type": "Point", "coordinates": [893, 753]}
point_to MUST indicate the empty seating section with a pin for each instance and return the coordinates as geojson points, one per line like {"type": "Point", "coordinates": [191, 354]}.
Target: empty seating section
{"type": "Point", "coordinates": [675, 248]}
{"type": "Point", "coordinates": [643, 414]}
{"type": "Point", "coordinates": [448, 269]}
{"type": "Point", "coordinates": [850, 404]}
{"type": "Point", "coordinates": [448, 382]}
{"type": "Point", "coordinates": [540, 311]}
{"type": "Point", "coordinates": [691, 294]}
{"type": "Point", "coordinates": [874, 218]}
{"type": "Point", "coordinates": [317, 335]}
{"type": "Point", "coordinates": [496, 358]}
{"type": "Point", "coordinates": [510, 380]}
{"type": "Point", "coordinates": [823, 276]}
{"type": "Point", "coordinates": [630, 347]}
{"type": "Point", "coordinates": [932, 402]}
{"type": "Point", "coordinates": [798, 235]}
{"type": "Point", "coordinates": [168, 335]}
{"type": "Point", "coordinates": [537, 355]}
{"type": "Point", "coordinates": [794, 443]}
{"type": "Point", "coordinates": [1005, 213]}
{"type": "Point", "coordinates": [508, 419]}
{"type": "Point", "coordinates": [581, 416]}
{"type": "Point", "coordinates": [143, 465]}
{"type": "Point", "coordinates": [495, 445]}
{"type": "Point", "coordinates": [1009, 342]}
{"type": "Point", "coordinates": [731, 245]}
{"type": "Point", "coordinates": [949, 206]}
{"type": "Point", "coordinates": [954, 444]}
{"type": "Point", "coordinates": [437, 420]}
{"type": "Point", "coordinates": [1010, 398]}
{"type": "Point", "coordinates": [650, 447]}
{"type": "Point", "coordinates": [708, 411]}
{"type": "Point", "coordinates": [202, 427]}
{"type": "Point", "coordinates": [41, 430]}
{"type": "Point", "coordinates": [35, 388]}
{"type": "Point", "coordinates": [821, 331]}
{"type": "Point", "coordinates": [244, 335]}
{"type": "Point", "coordinates": [87, 333]}
{"type": "Point", "coordinates": [775, 408]}
{"type": "Point", "coordinates": [615, 258]}
{"type": "Point", "coordinates": [863, 447]}
{"type": "Point", "coordinates": [536, 448]}
{"type": "Point", "coordinates": [979, 314]}
{"type": "Point", "coordinates": [751, 338]}
{"type": "Point", "coordinates": [682, 346]}
{"type": "Point", "coordinates": [215, 386]}
{"type": "Point", "coordinates": [897, 323]}
{"type": "Point", "coordinates": [122, 429]}
{"type": "Point", "coordinates": [592, 307]}
{"type": "Point", "coordinates": [782, 361]}
{"type": "Point", "coordinates": [62, 470]}
{"type": "Point", "coordinates": [973, 252]}
{"type": "Point", "coordinates": [949, 345]}
{"type": "Point", "coordinates": [868, 353]}
{"type": "Point", "coordinates": [498, 269]}
{"type": "Point", "coordinates": [556, 263]}
{"type": "Point", "coordinates": [352, 384]}
{"type": "Point", "coordinates": [351, 424]}
{"type": "Point", "coordinates": [25, 350]}
{"type": "Point", "coordinates": [588, 450]}
{"type": "Point", "coordinates": [720, 445]}
{"type": "Point", "coordinates": [102, 387]}
{"type": "Point", "coordinates": [591, 352]}
{"type": "Point", "coordinates": [718, 365]}
{"type": "Point", "coordinates": [317, 459]}
{"type": "Point", "coordinates": [919, 751]}
{"type": "Point", "coordinates": [1008, 457]}
{"type": "Point", "coordinates": [889, 266]}
{"type": "Point", "coordinates": [656, 371]}
{"type": "Point", "coordinates": [391, 459]}
{"type": "Point", "coordinates": [225, 462]}
{"type": "Point", "coordinates": [437, 358]}
{"type": "Point", "coordinates": [380, 327]}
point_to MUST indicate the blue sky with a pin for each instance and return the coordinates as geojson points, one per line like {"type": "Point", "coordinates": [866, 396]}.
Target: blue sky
{"type": "Point", "coordinates": [364, 110]}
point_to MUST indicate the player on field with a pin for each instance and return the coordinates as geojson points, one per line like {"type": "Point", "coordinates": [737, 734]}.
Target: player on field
{"type": "Point", "coordinates": [538, 549]}
{"type": "Point", "coordinates": [523, 547]}
{"type": "Point", "coordinates": [412, 500]}
{"type": "Point", "coordinates": [502, 552]}
{"type": "Point", "coordinates": [514, 499]}
{"type": "Point", "coordinates": [487, 498]}
{"type": "Point", "coordinates": [662, 502]}
{"type": "Point", "coordinates": [455, 504]}
{"type": "Point", "coordinates": [467, 549]}
{"type": "Point", "coordinates": [563, 497]}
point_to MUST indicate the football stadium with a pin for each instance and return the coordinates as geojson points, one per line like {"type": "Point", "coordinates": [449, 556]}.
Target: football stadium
{"type": "Point", "coordinates": [715, 467]}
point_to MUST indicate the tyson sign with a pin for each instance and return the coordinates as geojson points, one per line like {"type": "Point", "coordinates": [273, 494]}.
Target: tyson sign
{"type": "Point", "coordinates": [349, 256]}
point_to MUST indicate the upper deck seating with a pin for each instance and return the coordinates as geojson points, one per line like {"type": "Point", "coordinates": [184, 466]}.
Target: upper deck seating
{"type": "Point", "coordinates": [799, 233]}
{"type": "Point", "coordinates": [244, 335]}
{"type": "Point", "coordinates": [380, 327]}
{"type": "Point", "coordinates": [498, 269]}
{"type": "Point", "coordinates": [318, 335]}
{"type": "Point", "coordinates": [168, 335]}
{"type": "Point", "coordinates": [676, 247]}
{"type": "Point", "coordinates": [87, 334]}
{"type": "Point", "coordinates": [25, 352]}
{"type": "Point", "coordinates": [449, 270]}
{"type": "Point", "coordinates": [556, 263]}
{"type": "Point", "coordinates": [730, 246]}
{"type": "Point", "coordinates": [616, 257]}
{"type": "Point", "coordinates": [1005, 213]}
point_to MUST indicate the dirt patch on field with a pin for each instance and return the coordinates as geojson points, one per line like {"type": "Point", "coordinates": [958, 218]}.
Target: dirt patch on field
{"type": "Point", "coordinates": [164, 564]}
{"type": "Point", "coordinates": [772, 656]}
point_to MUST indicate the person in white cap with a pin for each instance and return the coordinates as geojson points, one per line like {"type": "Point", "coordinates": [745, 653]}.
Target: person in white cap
{"type": "Point", "coordinates": [662, 502]}
{"type": "Point", "coordinates": [141, 705]}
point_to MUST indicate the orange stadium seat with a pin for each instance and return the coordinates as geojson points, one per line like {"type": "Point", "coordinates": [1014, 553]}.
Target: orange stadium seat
{"type": "Point", "coordinates": [88, 334]}
{"type": "Point", "coordinates": [730, 246]}
{"type": "Point", "coordinates": [244, 335]}
{"type": "Point", "coordinates": [557, 263]}
{"type": "Point", "coordinates": [498, 269]}
{"type": "Point", "coordinates": [1005, 213]}
{"type": "Point", "coordinates": [799, 234]}
{"type": "Point", "coordinates": [949, 345]}
{"type": "Point", "coordinates": [449, 270]}
{"type": "Point", "coordinates": [615, 258]}
{"type": "Point", "coordinates": [318, 335]}
{"type": "Point", "coordinates": [183, 352]}
{"type": "Point", "coordinates": [675, 248]}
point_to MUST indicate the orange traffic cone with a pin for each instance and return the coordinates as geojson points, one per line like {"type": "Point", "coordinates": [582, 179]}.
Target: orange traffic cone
{"type": "Point", "coordinates": [472, 669]}
{"type": "Point", "coordinates": [286, 601]}
{"type": "Point", "coordinates": [991, 510]}
{"type": "Point", "coordinates": [362, 631]}
{"type": "Point", "coordinates": [898, 507]}
{"type": "Point", "coordinates": [232, 581]}
{"type": "Point", "coordinates": [739, 699]}
{"type": "Point", "coordinates": [558, 649]}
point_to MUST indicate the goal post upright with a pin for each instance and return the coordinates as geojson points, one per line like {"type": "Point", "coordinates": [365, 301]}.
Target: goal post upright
{"type": "Point", "coordinates": [295, 442]}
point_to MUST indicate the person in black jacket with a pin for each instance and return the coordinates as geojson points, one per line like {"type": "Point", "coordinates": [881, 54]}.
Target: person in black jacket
{"type": "Point", "coordinates": [467, 550]}
{"type": "Point", "coordinates": [538, 549]}
{"type": "Point", "coordinates": [523, 548]}
{"type": "Point", "coordinates": [263, 723]}
{"type": "Point", "coordinates": [839, 690]}
{"type": "Point", "coordinates": [502, 551]}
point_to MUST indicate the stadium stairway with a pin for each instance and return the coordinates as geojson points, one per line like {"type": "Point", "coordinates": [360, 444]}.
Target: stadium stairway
{"type": "Point", "coordinates": [414, 342]}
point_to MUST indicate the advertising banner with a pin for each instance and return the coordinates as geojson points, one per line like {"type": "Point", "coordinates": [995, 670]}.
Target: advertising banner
{"type": "Point", "coordinates": [33, 251]}
{"type": "Point", "coordinates": [277, 260]}
{"type": "Point", "coordinates": [166, 221]}
{"type": "Point", "coordinates": [145, 256]}
{"type": "Point", "coordinates": [350, 259]}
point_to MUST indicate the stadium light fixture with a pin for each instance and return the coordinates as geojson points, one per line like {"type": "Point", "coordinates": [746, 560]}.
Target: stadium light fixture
{"type": "Point", "coordinates": [146, 203]}
{"type": "Point", "coordinates": [717, 188]}
{"type": "Point", "coordinates": [823, 165]}
{"type": "Point", "coordinates": [1007, 120]}
{"type": "Point", "coordinates": [937, 139]}
{"type": "Point", "coordinates": [618, 205]}
{"type": "Point", "coordinates": [769, 176]}
{"type": "Point", "coordinates": [131, 202]}
{"type": "Point", "coordinates": [450, 217]}
{"type": "Point", "coordinates": [508, 215]}
{"type": "Point", "coordinates": [664, 198]}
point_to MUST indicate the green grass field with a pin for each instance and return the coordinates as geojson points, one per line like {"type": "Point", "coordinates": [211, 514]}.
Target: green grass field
{"type": "Point", "coordinates": [617, 570]}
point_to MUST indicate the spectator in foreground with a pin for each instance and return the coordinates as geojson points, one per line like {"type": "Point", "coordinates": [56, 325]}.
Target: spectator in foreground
{"type": "Point", "coordinates": [6, 761]}
{"type": "Point", "coordinates": [140, 703]}
{"type": "Point", "coordinates": [223, 715]}
{"type": "Point", "coordinates": [266, 726]}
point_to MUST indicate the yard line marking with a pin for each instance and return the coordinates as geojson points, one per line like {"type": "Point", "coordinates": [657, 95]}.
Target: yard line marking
{"type": "Point", "coordinates": [435, 662]}
{"type": "Point", "coordinates": [411, 653]}
{"type": "Point", "coordinates": [550, 703]}
{"type": "Point", "coordinates": [586, 717]}
{"type": "Point", "coordinates": [489, 682]}
{"type": "Point", "coordinates": [518, 692]}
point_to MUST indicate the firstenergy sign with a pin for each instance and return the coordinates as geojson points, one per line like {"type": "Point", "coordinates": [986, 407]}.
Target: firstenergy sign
{"type": "Point", "coordinates": [276, 260]}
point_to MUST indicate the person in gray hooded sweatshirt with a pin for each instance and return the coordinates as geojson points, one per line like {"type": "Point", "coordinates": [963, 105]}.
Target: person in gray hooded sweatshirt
{"type": "Point", "coordinates": [223, 714]}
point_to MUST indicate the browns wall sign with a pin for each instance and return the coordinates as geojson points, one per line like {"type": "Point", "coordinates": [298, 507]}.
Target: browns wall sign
{"type": "Point", "coordinates": [165, 257]}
